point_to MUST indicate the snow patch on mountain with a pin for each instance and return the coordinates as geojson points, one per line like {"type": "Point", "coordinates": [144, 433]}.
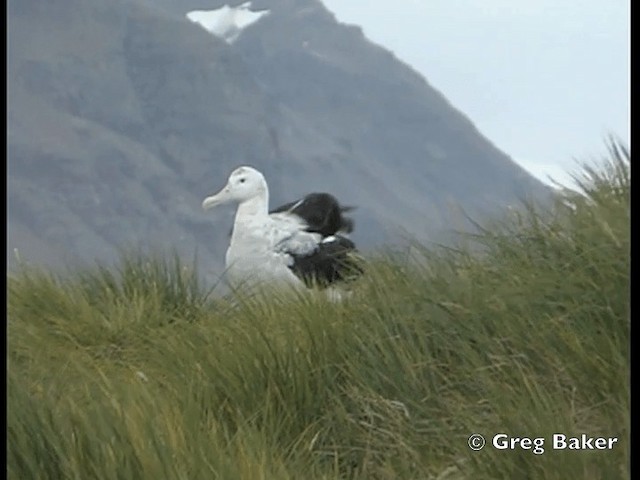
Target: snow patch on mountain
{"type": "Point", "coordinates": [227, 22]}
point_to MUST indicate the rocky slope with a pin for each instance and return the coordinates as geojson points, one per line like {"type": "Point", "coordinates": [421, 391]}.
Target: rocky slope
{"type": "Point", "coordinates": [124, 115]}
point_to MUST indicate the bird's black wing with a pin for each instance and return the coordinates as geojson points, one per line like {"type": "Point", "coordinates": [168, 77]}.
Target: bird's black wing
{"type": "Point", "coordinates": [333, 260]}
{"type": "Point", "coordinates": [321, 212]}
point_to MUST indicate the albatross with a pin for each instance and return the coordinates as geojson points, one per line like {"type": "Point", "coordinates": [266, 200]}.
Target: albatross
{"type": "Point", "coordinates": [303, 243]}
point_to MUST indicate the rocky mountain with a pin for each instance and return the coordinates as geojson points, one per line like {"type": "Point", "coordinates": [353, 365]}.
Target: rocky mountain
{"type": "Point", "coordinates": [123, 115]}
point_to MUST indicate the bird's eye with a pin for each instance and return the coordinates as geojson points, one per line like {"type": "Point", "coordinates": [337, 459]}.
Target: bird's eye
{"type": "Point", "coordinates": [242, 180]}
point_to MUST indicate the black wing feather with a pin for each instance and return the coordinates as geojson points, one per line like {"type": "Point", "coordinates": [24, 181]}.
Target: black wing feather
{"type": "Point", "coordinates": [333, 261]}
{"type": "Point", "coordinates": [322, 212]}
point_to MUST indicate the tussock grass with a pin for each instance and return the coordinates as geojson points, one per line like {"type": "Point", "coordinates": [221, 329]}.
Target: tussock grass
{"type": "Point", "coordinates": [141, 373]}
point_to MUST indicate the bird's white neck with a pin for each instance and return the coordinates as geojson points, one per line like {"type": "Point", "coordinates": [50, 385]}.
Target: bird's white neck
{"type": "Point", "coordinates": [251, 213]}
{"type": "Point", "coordinates": [255, 208]}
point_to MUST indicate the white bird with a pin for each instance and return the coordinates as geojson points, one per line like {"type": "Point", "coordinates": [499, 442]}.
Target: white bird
{"type": "Point", "coordinates": [302, 243]}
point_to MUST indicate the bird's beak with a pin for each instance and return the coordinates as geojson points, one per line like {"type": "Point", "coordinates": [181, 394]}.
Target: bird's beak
{"type": "Point", "coordinates": [220, 198]}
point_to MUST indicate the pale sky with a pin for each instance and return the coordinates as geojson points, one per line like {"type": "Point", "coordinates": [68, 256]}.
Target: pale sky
{"type": "Point", "coordinates": [545, 80]}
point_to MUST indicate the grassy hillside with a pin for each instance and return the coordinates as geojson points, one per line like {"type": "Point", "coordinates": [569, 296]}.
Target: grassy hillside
{"type": "Point", "coordinates": [139, 374]}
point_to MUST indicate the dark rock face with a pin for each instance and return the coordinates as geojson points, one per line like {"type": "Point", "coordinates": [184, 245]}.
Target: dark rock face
{"type": "Point", "coordinates": [124, 115]}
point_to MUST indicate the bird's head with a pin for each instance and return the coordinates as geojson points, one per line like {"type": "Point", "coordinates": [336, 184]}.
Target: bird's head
{"type": "Point", "coordinates": [245, 183]}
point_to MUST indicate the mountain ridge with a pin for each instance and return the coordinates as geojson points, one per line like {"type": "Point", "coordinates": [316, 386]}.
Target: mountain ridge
{"type": "Point", "coordinates": [121, 121]}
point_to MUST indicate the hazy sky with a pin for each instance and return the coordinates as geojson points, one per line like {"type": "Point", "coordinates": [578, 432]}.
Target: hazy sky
{"type": "Point", "coordinates": [544, 80]}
